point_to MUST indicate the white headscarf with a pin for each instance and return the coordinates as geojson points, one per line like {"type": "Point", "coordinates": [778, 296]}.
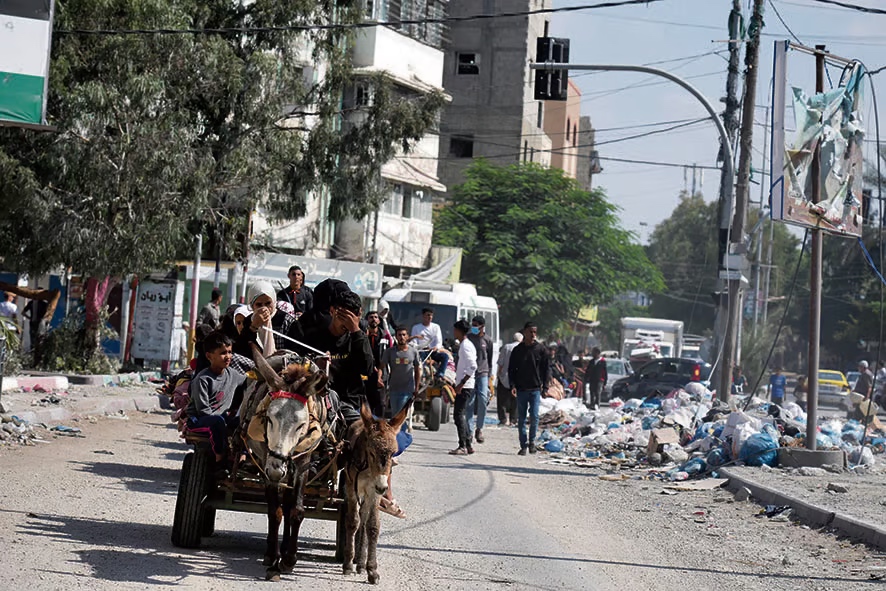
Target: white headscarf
{"type": "Point", "coordinates": [265, 337]}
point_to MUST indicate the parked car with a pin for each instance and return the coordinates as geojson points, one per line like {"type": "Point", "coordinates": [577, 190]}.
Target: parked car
{"type": "Point", "coordinates": [833, 389]}
{"type": "Point", "coordinates": [852, 378]}
{"type": "Point", "coordinates": [616, 369]}
{"type": "Point", "coordinates": [661, 375]}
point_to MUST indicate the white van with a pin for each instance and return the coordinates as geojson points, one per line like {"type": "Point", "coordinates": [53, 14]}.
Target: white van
{"type": "Point", "coordinates": [450, 302]}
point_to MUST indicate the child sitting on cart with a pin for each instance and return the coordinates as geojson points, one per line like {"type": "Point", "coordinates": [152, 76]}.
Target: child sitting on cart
{"type": "Point", "coordinates": [211, 410]}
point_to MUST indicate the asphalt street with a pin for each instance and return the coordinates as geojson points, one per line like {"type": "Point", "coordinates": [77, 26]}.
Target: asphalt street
{"type": "Point", "coordinates": [95, 513]}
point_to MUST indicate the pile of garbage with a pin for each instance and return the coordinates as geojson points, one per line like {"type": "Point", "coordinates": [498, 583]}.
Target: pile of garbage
{"type": "Point", "coordinates": [687, 433]}
{"type": "Point", "coordinates": [14, 430]}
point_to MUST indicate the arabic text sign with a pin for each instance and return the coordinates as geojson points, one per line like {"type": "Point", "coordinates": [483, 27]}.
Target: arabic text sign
{"type": "Point", "coordinates": [156, 317]}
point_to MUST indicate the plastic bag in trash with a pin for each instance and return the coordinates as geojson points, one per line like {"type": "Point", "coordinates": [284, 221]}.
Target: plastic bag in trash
{"type": "Point", "coordinates": [861, 456]}
{"type": "Point", "coordinates": [554, 446]}
{"type": "Point", "coordinates": [694, 466]}
{"type": "Point", "coordinates": [759, 449]}
{"type": "Point", "coordinates": [717, 457]}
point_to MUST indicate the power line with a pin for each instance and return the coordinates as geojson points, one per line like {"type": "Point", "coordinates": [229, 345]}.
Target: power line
{"type": "Point", "coordinates": [852, 6]}
{"type": "Point", "coordinates": [350, 26]}
{"type": "Point", "coordinates": [784, 24]}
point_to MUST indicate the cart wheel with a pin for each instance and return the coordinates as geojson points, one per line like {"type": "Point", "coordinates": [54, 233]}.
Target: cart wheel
{"type": "Point", "coordinates": [187, 523]}
{"type": "Point", "coordinates": [435, 412]}
{"type": "Point", "coordinates": [444, 416]}
{"type": "Point", "coordinates": [341, 521]}
{"type": "Point", "coordinates": [208, 521]}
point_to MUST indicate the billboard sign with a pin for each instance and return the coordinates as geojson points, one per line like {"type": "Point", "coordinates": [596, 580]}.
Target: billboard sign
{"type": "Point", "coordinates": [832, 122]}
{"type": "Point", "coordinates": [25, 43]}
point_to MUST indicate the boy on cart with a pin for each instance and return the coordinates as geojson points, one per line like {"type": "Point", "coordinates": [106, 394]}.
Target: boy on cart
{"type": "Point", "coordinates": [212, 409]}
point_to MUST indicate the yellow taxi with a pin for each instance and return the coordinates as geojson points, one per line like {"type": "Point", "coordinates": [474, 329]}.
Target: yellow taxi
{"type": "Point", "coordinates": [833, 388]}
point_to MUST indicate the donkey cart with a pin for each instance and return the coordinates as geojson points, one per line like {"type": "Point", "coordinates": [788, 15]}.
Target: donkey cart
{"type": "Point", "coordinates": [201, 494]}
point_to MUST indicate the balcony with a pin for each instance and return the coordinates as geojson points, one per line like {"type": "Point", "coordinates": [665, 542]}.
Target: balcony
{"type": "Point", "coordinates": [381, 49]}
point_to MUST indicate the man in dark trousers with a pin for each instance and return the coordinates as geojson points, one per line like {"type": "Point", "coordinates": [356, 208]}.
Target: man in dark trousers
{"type": "Point", "coordinates": [298, 294]}
{"type": "Point", "coordinates": [529, 371]}
{"type": "Point", "coordinates": [595, 378]}
{"type": "Point", "coordinates": [464, 387]}
{"type": "Point", "coordinates": [378, 342]}
{"type": "Point", "coordinates": [477, 406]}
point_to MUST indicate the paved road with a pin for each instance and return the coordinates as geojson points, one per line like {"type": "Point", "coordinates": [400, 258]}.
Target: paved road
{"type": "Point", "coordinates": [95, 512]}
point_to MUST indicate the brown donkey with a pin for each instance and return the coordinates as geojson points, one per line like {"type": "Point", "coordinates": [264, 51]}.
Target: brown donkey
{"type": "Point", "coordinates": [373, 443]}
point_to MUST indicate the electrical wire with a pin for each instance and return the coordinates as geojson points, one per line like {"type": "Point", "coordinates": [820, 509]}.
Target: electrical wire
{"type": "Point", "coordinates": [784, 316]}
{"type": "Point", "coordinates": [784, 24]}
{"type": "Point", "coordinates": [852, 6]}
{"type": "Point", "coordinates": [351, 26]}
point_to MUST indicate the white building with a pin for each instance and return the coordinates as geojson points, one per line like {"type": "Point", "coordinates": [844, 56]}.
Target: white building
{"type": "Point", "coordinates": [399, 235]}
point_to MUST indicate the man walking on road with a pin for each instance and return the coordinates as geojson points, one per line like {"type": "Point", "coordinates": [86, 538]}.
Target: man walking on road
{"type": "Point", "coordinates": [507, 403]}
{"type": "Point", "coordinates": [595, 378]}
{"type": "Point", "coordinates": [529, 371]}
{"type": "Point", "coordinates": [777, 384]}
{"type": "Point", "coordinates": [477, 406]}
{"type": "Point", "coordinates": [464, 387]}
{"type": "Point", "coordinates": [403, 367]}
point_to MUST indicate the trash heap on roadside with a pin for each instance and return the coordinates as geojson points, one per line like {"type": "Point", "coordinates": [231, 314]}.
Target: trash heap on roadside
{"type": "Point", "coordinates": [688, 433]}
{"type": "Point", "coordinates": [14, 430]}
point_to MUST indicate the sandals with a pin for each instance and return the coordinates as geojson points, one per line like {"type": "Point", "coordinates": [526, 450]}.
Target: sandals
{"type": "Point", "coordinates": [391, 507]}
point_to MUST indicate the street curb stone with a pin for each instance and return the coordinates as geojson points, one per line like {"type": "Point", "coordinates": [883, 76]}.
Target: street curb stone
{"type": "Point", "coordinates": [810, 514]}
{"type": "Point", "coordinates": [91, 407]}
{"type": "Point", "coordinates": [50, 382]}
{"type": "Point", "coordinates": [90, 380]}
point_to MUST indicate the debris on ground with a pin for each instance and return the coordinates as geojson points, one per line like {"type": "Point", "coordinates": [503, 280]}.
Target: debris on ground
{"type": "Point", "coordinates": [688, 434]}
{"type": "Point", "coordinates": [14, 430]}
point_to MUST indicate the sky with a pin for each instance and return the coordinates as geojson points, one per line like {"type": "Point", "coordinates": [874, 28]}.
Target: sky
{"type": "Point", "coordinates": [677, 30]}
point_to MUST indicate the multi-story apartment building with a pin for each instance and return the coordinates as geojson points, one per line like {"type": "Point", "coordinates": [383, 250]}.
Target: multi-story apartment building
{"type": "Point", "coordinates": [561, 124]}
{"type": "Point", "coordinates": [397, 236]}
{"type": "Point", "coordinates": [486, 71]}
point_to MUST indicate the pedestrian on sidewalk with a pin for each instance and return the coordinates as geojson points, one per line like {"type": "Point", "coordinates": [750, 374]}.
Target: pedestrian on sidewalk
{"type": "Point", "coordinates": [506, 403]}
{"type": "Point", "coordinates": [378, 343]}
{"type": "Point", "coordinates": [777, 385]}
{"type": "Point", "coordinates": [464, 387]}
{"type": "Point", "coordinates": [800, 392]}
{"type": "Point", "coordinates": [595, 378]}
{"type": "Point", "coordinates": [879, 382]}
{"type": "Point", "coordinates": [865, 383]}
{"type": "Point", "coordinates": [210, 313]}
{"type": "Point", "coordinates": [529, 371]}
{"type": "Point", "coordinates": [477, 407]}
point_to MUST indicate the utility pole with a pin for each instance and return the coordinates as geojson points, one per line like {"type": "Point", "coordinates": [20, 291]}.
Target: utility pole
{"type": "Point", "coordinates": [758, 255]}
{"type": "Point", "coordinates": [730, 122]}
{"type": "Point", "coordinates": [815, 277]}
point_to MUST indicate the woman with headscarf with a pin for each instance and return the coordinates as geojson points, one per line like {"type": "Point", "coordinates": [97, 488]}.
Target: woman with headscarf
{"type": "Point", "coordinates": [264, 320]}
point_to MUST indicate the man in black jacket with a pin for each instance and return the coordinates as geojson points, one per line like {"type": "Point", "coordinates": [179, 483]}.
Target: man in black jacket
{"type": "Point", "coordinates": [338, 332]}
{"type": "Point", "coordinates": [595, 378]}
{"type": "Point", "coordinates": [298, 294]}
{"type": "Point", "coordinates": [529, 371]}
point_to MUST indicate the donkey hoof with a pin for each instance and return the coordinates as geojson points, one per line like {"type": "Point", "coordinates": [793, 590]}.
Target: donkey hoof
{"type": "Point", "coordinates": [374, 578]}
{"type": "Point", "coordinates": [347, 569]}
{"type": "Point", "coordinates": [286, 568]}
{"type": "Point", "coordinates": [273, 574]}
{"type": "Point", "coordinates": [269, 561]}
{"type": "Point", "coordinates": [360, 569]}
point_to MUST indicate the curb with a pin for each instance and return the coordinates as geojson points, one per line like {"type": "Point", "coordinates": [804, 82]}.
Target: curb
{"type": "Point", "coordinates": [92, 407]}
{"type": "Point", "coordinates": [53, 382]}
{"type": "Point", "coordinates": [810, 514]}
{"type": "Point", "coordinates": [44, 378]}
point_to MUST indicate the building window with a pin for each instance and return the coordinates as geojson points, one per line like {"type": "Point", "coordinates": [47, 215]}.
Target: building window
{"type": "Point", "coordinates": [467, 64]}
{"type": "Point", "coordinates": [422, 205]}
{"type": "Point", "coordinates": [575, 135]}
{"type": "Point", "coordinates": [525, 150]}
{"type": "Point", "coordinates": [406, 212]}
{"type": "Point", "coordinates": [363, 95]}
{"type": "Point", "coordinates": [568, 127]}
{"type": "Point", "coordinates": [461, 147]}
{"type": "Point", "coordinates": [541, 114]}
{"type": "Point", "coordinates": [394, 204]}
{"type": "Point", "coordinates": [532, 154]}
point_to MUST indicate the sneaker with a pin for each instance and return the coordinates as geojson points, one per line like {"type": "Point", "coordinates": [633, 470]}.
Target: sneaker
{"type": "Point", "coordinates": [532, 448]}
{"type": "Point", "coordinates": [522, 451]}
{"type": "Point", "coordinates": [478, 435]}
{"type": "Point", "coordinates": [470, 450]}
{"type": "Point", "coordinates": [458, 451]}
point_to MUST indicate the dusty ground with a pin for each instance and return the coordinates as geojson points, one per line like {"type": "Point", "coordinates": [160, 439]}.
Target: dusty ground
{"type": "Point", "coordinates": [95, 513]}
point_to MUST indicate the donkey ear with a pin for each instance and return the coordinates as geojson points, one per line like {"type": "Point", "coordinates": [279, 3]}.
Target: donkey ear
{"type": "Point", "coordinates": [265, 370]}
{"type": "Point", "coordinates": [400, 417]}
{"type": "Point", "coordinates": [366, 415]}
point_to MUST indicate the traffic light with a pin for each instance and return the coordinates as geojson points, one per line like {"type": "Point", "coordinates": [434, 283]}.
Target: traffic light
{"type": "Point", "coordinates": [551, 85]}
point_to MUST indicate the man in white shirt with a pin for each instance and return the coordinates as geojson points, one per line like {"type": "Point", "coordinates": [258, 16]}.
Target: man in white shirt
{"type": "Point", "coordinates": [464, 387]}
{"type": "Point", "coordinates": [428, 335]}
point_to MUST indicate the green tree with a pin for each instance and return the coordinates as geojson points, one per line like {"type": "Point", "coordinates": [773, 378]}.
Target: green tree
{"type": "Point", "coordinates": [160, 136]}
{"type": "Point", "coordinates": [539, 243]}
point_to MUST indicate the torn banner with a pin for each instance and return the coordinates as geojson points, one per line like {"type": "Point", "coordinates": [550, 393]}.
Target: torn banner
{"type": "Point", "coordinates": [831, 120]}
